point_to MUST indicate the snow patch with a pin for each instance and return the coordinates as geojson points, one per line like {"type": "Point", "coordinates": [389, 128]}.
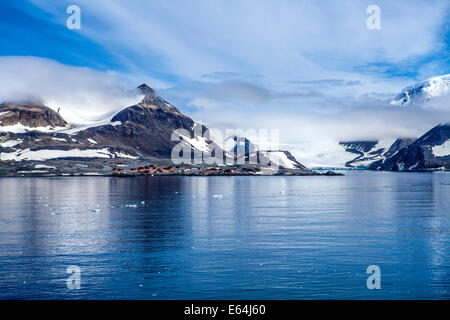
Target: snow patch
{"type": "Point", "coordinates": [78, 128]}
{"type": "Point", "coordinates": [11, 143]}
{"type": "Point", "coordinates": [92, 141]}
{"type": "Point", "coordinates": [385, 144]}
{"type": "Point", "coordinates": [280, 158]}
{"type": "Point", "coordinates": [59, 139]}
{"type": "Point", "coordinates": [124, 155]}
{"type": "Point", "coordinates": [40, 155]}
{"type": "Point", "coordinates": [33, 171]}
{"type": "Point", "coordinates": [442, 150]}
{"type": "Point", "coordinates": [43, 166]}
{"type": "Point", "coordinates": [414, 166]}
{"type": "Point", "coordinates": [20, 128]}
{"type": "Point", "coordinates": [198, 143]}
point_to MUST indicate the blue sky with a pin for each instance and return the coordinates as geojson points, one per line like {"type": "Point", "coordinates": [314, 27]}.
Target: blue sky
{"type": "Point", "coordinates": [26, 30]}
{"type": "Point", "coordinates": [228, 63]}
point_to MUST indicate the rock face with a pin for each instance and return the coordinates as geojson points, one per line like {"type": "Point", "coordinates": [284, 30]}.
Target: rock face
{"type": "Point", "coordinates": [144, 129]}
{"type": "Point", "coordinates": [429, 152]}
{"type": "Point", "coordinates": [31, 115]}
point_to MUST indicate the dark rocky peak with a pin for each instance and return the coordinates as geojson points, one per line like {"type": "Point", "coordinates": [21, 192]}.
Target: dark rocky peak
{"type": "Point", "coordinates": [153, 101]}
{"type": "Point", "coordinates": [149, 93]}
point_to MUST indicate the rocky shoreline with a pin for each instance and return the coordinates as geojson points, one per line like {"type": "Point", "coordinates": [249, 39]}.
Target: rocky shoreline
{"type": "Point", "coordinates": [139, 167]}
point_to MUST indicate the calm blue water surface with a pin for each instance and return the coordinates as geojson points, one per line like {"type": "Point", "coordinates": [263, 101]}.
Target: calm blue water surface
{"type": "Point", "coordinates": [226, 237]}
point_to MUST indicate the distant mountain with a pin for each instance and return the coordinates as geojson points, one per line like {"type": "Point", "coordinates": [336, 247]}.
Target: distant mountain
{"type": "Point", "coordinates": [424, 91]}
{"type": "Point", "coordinates": [429, 152]}
{"type": "Point", "coordinates": [379, 154]}
{"type": "Point", "coordinates": [245, 151]}
{"type": "Point", "coordinates": [369, 152]}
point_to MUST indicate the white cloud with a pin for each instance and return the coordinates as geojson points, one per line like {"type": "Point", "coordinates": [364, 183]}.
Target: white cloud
{"type": "Point", "coordinates": [280, 40]}
{"type": "Point", "coordinates": [204, 103]}
{"type": "Point", "coordinates": [82, 94]}
{"type": "Point", "coordinates": [256, 46]}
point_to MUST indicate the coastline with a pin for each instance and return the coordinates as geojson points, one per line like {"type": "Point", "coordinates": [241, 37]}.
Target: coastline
{"type": "Point", "coordinates": [141, 167]}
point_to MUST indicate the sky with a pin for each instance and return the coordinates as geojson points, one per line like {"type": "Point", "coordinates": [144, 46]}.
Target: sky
{"type": "Point", "coordinates": [312, 69]}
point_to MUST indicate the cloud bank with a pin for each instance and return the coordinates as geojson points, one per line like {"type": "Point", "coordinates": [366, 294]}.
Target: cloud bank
{"type": "Point", "coordinates": [277, 40]}
{"type": "Point", "coordinates": [84, 95]}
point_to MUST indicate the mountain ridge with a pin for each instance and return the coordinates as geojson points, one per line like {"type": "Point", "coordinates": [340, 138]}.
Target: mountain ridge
{"type": "Point", "coordinates": [143, 130]}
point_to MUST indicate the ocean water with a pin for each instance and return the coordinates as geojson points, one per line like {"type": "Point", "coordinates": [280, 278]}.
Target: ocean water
{"type": "Point", "coordinates": [226, 237]}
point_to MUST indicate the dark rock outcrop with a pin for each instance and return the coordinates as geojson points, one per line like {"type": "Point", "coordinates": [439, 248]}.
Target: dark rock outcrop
{"type": "Point", "coordinates": [31, 115]}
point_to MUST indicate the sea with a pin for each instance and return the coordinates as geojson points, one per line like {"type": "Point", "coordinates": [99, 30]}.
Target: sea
{"type": "Point", "coordinates": [364, 235]}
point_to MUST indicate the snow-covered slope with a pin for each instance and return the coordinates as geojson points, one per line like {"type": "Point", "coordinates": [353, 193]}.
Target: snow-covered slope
{"type": "Point", "coordinates": [442, 150]}
{"type": "Point", "coordinates": [369, 152]}
{"type": "Point", "coordinates": [283, 159]}
{"type": "Point", "coordinates": [424, 91]}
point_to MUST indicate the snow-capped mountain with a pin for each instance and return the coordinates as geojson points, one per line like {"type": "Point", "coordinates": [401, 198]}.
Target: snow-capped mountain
{"type": "Point", "coordinates": [244, 151]}
{"type": "Point", "coordinates": [424, 91]}
{"type": "Point", "coordinates": [384, 154]}
{"type": "Point", "coordinates": [35, 132]}
{"type": "Point", "coordinates": [429, 152]}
